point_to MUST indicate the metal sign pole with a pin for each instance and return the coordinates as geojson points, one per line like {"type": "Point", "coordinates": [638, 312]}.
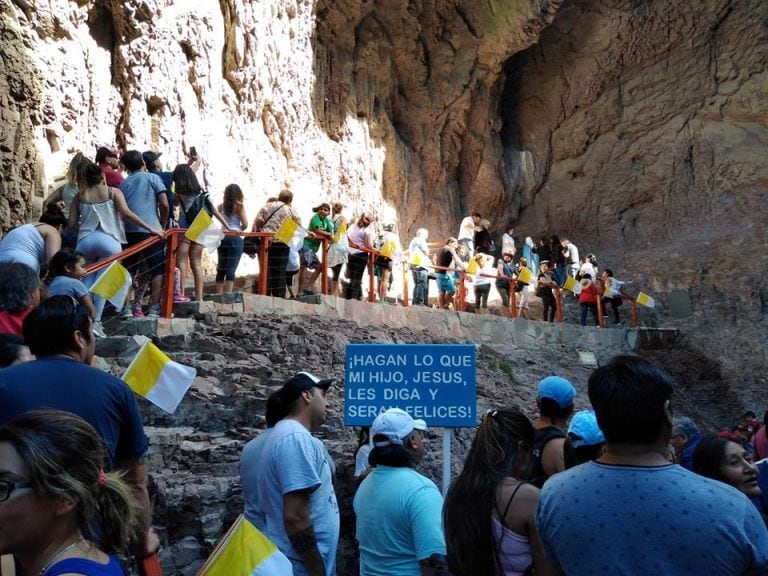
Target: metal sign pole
{"type": "Point", "coordinates": [446, 460]}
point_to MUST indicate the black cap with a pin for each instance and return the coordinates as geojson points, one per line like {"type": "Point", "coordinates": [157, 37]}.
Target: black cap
{"type": "Point", "coordinates": [293, 387]}
{"type": "Point", "coordinates": [150, 158]}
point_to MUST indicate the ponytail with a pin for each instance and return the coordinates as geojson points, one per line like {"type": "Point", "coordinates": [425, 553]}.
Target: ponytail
{"type": "Point", "coordinates": [117, 513]}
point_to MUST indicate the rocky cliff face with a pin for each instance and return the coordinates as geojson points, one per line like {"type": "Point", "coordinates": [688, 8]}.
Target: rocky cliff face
{"type": "Point", "coordinates": [635, 127]}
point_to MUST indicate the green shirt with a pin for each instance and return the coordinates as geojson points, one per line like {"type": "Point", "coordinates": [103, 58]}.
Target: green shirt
{"type": "Point", "coordinates": [317, 223]}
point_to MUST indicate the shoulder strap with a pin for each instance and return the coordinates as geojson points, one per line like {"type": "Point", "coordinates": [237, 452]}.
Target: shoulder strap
{"type": "Point", "coordinates": [273, 213]}
{"type": "Point", "coordinates": [509, 502]}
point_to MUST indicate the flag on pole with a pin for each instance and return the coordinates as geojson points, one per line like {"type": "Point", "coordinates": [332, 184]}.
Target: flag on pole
{"type": "Point", "coordinates": [418, 258]}
{"type": "Point", "coordinates": [157, 378]}
{"type": "Point", "coordinates": [287, 233]}
{"type": "Point", "coordinates": [571, 284]}
{"type": "Point", "coordinates": [113, 285]}
{"type": "Point", "coordinates": [297, 240]}
{"type": "Point", "coordinates": [245, 551]}
{"type": "Point", "coordinates": [644, 300]}
{"type": "Point", "coordinates": [525, 276]}
{"type": "Point", "coordinates": [205, 231]}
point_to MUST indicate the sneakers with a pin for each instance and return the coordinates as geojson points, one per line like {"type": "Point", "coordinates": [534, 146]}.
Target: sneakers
{"type": "Point", "coordinates": [154, 310]}
{"type": "Point", "coordinates": [138, 313]}
{"type": "Point", "coordinates": [126, 314]}
{"type": "Point", "coordinates": [98, 330]}
{"type": "Point", "coordinates": [180, 298]}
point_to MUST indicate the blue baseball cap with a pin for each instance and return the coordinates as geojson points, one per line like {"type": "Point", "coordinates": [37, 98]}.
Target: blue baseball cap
{"type": "Point", "coordinates": [584, 430]}
{"type": "Point", "coordinates": [557, 389]}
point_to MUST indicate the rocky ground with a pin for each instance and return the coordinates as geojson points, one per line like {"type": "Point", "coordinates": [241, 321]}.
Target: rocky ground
{"type": "Point", "coordinates": [194, 453]}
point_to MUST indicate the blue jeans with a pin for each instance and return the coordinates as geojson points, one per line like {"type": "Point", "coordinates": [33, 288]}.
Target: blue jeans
{"type": "Point", "coordinates": [420, 286]}
{"type": "Point", "coordinates": [230, 250]}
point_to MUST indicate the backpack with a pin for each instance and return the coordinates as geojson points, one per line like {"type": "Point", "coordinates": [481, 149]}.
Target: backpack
{"type": "Point", "coordinates": [200, 202]}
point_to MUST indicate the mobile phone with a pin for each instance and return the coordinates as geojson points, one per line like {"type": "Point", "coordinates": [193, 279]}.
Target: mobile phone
{"type": "Point", "coordinates": [193, 151]}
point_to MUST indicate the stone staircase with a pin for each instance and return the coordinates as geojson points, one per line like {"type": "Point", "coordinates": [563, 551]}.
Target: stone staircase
{"type": "Point", "coordinates": [242, 345]}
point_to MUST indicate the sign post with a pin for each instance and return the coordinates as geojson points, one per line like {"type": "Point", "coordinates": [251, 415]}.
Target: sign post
{"type": "Point", "coordinates": [434, 382]}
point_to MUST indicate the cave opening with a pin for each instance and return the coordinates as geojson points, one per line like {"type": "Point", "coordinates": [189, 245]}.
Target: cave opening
{"type": "Point", "coordinates": [101, 26]}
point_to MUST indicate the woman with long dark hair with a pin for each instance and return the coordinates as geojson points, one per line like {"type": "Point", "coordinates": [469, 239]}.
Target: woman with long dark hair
{"type": "Point", "coordinates": [489, 512]}
{"type": "Point", "coordinates": [231, 248]}
{"type": "Point", "coordinates": [187, 189]}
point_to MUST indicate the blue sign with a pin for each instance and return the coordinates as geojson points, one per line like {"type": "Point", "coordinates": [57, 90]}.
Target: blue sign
{"type": "Point", "coordinates": [434, 382]}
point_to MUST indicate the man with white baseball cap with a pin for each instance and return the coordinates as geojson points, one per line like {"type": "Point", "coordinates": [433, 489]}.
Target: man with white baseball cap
{"type": "Point", "coordinates": [296, 494]}
{"type": "Point", "coordinates": [399, 511]}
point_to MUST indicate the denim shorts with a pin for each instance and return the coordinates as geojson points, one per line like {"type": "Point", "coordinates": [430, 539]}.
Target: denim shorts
{"type": "Point", "coordinates": [445, 283]}
{"type": "Point", "coordinates": [308, 257]}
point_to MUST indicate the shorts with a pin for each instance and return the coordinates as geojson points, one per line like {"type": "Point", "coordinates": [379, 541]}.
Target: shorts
{"type": "Point", "coordinates": [384, 263]}
{"type": "Point", "coordinates": [153, 258]}
{"type": "Point", "coordinates": [308, 257]}
{"type": "Point", "coordinates": [445, 284]}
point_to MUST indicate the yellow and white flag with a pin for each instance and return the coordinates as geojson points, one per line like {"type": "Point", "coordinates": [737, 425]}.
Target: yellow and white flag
{"type": "Point", "coordinates": [525, 276]}
{"type": "Point", "coordinates": [205, 231]}
{"type": "Point", "coordinates": [297, 240]}
{"type": "Point", "coordinates": [286, 230]}
{"type": "Point", "coordinates": [644, 300]}
{"type": "Point", "coordinates": [417, 258]}
{"type": "Point", "coordinates": [113, 285]}
{"type": "Point", "coordinates": [245, 551]}
{"type": "Point", "coordinates": [157, 378]}
{"type": "Point", "coordinates": [572, 285]}
{"type": "Point", "coordinates": [340, 233]}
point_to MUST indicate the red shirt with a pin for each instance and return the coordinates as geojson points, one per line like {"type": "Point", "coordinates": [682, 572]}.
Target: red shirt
{"type": "Point", "coordinates": [112, 176]}
{"type": "Point", "coordinates": [11, 323]}
{"type": "Point", "coordinates": [760, 441]}
{"type": "Point", "coordinates": [588, 294]}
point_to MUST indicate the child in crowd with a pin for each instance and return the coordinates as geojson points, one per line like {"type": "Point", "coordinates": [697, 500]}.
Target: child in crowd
{"type": "Point", "coordinates": [588, 299]}
{"type": "Point", "coordinates": [523, 294]}
{"type": "Point", "coordinates": [66, 272]}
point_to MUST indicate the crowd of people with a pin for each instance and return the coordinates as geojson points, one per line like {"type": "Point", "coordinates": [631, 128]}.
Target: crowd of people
{"type": "Point", "coordinates": [120, 200]}
{"type": "Point", "coordinates": [610, 490]}
{"type": "Point", "coordinates": [533, 269]}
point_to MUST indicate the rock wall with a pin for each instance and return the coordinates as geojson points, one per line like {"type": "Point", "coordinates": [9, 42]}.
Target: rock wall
{"type": "Point", "coordinates": [636, 127]}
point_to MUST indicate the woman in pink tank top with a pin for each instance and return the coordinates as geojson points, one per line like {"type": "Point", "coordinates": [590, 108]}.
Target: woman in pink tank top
{"type": "Point", "coordinates": [489, 512]}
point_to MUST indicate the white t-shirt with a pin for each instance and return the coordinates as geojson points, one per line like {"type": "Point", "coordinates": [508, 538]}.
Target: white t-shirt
{"type": "Point", "coordinates": [467, 229]}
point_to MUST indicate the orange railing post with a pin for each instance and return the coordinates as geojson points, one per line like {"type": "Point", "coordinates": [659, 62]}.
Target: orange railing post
{"type": "Point", "coordinates": [600, 292]}
{"type": "Point", "coordinates": [634, 314]}
{"type": "Point", "coordinates": [406, 271]}
{"type": "Point", "coordinates": [166, 302]}
{"type": "Point", "coordinates": [324, 266]}
{"type": "Point", "coordinates": [263, 246]}
{"type": "Point", "coordinates": [461, 303]}
{"type": "Point", "coordinates": [513, 297]}
{"type": "Point", "coordinates": [371, 277]}
{"type": "Point", "coordinates": [558, 306]}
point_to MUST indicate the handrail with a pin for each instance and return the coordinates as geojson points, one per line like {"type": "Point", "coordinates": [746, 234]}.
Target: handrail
{"type": "Point", "coordinates": [172, 239]}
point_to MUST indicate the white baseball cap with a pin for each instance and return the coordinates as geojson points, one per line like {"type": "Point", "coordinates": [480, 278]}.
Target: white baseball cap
{"type": "Point", "coordinates": [396, 425]}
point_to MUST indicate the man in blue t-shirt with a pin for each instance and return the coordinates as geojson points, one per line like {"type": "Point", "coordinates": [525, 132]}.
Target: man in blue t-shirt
{"type": "Point", "coordinates": [296, 491]}
{"type": "Point", "coordinates": [631, 511]}
{"type": "Point", "coordinates": [399, 511]}
{"type": "Point", "coordinates": [58, 332]}
{"type": "Point", "coordinates": [146, 196]}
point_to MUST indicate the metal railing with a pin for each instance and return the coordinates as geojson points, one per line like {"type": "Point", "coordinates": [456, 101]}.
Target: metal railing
{"type": "Point", "coordinates": [172, 243]}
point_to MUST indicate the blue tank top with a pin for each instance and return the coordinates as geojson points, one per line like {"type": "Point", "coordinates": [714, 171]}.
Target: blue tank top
{"type": "Point", "coordinates": [86, 567]}
{"type": "Point", "coordinates": [25, 245]}
{"type": "Point", "coordinates": [233, 221]}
